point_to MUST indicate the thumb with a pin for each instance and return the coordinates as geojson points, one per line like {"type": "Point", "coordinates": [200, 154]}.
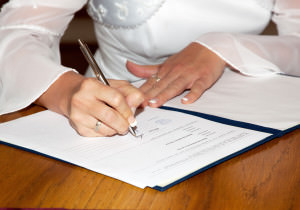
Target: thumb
{"type": "Point", "coordinates": [143, 71]}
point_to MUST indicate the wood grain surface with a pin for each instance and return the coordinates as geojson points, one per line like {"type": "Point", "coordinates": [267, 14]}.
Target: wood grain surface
{"type": "Point", "coordinates": [267, 177]}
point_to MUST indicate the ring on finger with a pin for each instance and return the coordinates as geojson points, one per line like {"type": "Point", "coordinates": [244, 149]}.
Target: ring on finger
{"type": "Point", "coordinates": [155, 77]}
{"type": "Point", "coordinates": [98, 124]}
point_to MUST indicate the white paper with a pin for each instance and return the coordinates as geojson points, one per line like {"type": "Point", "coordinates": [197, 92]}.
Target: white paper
{"type": "Point", "coordinates": [173, 145]}
{"type": "Point", "coordinates": [272, 101]}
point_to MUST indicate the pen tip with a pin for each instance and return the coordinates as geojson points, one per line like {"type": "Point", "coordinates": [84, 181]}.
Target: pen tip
{"type": "Point", "coordinates": [132, 131]}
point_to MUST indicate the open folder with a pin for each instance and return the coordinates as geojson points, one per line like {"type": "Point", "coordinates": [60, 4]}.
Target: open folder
{"type": "Point", "coordinates": [238, 113]}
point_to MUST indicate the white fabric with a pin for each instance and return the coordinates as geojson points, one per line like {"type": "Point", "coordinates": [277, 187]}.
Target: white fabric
{"type": "Point", "coordinates": [117, 14]}
{"type": "Point", "coordinates": [30, 32]}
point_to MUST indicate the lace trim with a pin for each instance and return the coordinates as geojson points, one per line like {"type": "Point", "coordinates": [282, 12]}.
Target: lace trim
{"type": "Point", "coordinates": [123, 13]}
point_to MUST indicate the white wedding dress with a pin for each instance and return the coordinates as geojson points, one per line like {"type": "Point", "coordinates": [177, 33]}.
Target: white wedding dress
{"type": "Point", "coordinates": [145, 32]}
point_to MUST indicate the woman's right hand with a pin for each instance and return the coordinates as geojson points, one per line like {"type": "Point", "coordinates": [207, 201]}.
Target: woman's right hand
{"type": "Point", "coordinates": [85, 101]}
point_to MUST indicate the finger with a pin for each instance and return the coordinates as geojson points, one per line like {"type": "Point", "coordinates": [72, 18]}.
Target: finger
{"type": "Point", "coordinates": [173, 89]}
{"type": "Point", "coordinates": [148, 85]}
{"type": "Point", "coordinates": [86, 126]}
{"type": "Point", "coordinates": [157, 82]}
{"type": "Point", "coordinates": [196, 91]}
{"type": "Point", "coordinates": [98, 108]}
{"type": "Point", "coordinates": [115, 99]}
{"type": "Point", "coordinates": [110, 117]}
{"type": "Point", "coordinates": [163, 84]}
{"type": "Point", "coordinates": [152, 92]}
{"type": "Point", "coordinates": [133, 95]}
{"type": "Point", "coordinates": [92, 99]}
{"type": "Point", "coordinates": [101, 129]}
{"type": "Point", "coordinates": [97, 127]}
{"type": "Point", "coordinates": [142, 71]}
{"type": "Point", "coordinates": [94, 91]}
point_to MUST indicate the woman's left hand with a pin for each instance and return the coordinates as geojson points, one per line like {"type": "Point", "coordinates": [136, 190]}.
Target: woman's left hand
{"type": "Point", "coordinates": [195, 68]}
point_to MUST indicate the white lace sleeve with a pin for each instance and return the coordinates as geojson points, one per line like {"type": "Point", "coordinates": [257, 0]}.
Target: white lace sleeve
{"type": "Point", "coordinates": [30, 32]}
{"type": "Point", "coordinates": [263, 54]}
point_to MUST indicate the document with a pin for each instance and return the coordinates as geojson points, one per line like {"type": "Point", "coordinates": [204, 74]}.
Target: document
{"type": "Point", "coordinates": [271, 101]}
{"type": "Point", "coordinates": [172, 145]}
{"type": "Point", "coordinates": [235, 115]}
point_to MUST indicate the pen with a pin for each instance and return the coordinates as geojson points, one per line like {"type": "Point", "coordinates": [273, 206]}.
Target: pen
{"type": "Point", "coordinates": [100, 76]}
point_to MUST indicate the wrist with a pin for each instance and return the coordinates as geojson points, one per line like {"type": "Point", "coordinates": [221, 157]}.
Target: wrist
{"type": "Point", "coordinates": [58, 96]}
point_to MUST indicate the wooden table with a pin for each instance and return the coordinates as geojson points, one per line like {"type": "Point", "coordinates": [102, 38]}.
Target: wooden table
{"type": "Point", "coordinates": [267, 177]}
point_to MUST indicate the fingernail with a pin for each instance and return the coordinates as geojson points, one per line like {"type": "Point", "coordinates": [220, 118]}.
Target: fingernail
{"type": "Point", "coordinates": [132, 121]}
{"type": "Point", "coordinates": [153, 101]}
{"type": "Point", "coordinates": [185, 99]}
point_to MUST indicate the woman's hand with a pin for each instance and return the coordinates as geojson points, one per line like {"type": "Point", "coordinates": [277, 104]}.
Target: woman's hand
{"type": "Point", "coordinates": [195, 68]}
{"type": "Point", "coordinates": [85, 101]}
